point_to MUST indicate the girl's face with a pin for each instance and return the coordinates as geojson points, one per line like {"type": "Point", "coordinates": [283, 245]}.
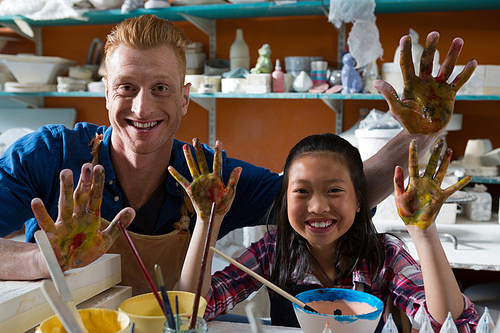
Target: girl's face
{"type": "Point", "coordinates": [321, 200]}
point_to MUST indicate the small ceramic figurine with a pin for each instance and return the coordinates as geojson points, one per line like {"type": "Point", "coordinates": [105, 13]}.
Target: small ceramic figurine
{"type": "Point", "coordinates": [351, 80]}
{"type": "Point", "coordinates": [264, 64]}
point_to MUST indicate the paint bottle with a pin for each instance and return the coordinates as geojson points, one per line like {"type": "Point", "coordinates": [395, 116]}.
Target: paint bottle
{"type": "Point", "coordinates": [278, 78]}
{"type": "Point", "coordinates": [239, 53]}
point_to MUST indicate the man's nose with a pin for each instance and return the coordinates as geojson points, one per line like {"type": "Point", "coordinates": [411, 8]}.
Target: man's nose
{"type": "Point", "coordinates": [142, 103]}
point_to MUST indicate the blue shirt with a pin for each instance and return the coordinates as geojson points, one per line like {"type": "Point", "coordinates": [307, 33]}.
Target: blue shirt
{"type": "Point", "coordinates": [30, 168]}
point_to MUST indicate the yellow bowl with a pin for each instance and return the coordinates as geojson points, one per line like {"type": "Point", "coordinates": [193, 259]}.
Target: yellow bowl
{"type": "Point", "coordinates": [95, 320]}
{"type": "Point", "coordinates": [146, 313]}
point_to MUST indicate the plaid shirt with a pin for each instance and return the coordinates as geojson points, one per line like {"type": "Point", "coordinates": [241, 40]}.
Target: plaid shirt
{"type": "Point", "coordinates": [400, 281]}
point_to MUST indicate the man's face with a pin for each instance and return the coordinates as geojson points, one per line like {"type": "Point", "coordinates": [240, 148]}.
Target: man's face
{"type": "Point", "coordinates": [145, 98]}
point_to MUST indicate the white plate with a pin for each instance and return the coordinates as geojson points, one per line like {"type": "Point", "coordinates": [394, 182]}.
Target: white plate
{"type": "Point", "coordinates": [29, 87]}
{"type": "Point", "coordinates": [247, 1]}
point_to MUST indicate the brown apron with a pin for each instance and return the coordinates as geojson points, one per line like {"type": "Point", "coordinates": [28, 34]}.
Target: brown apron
{"type": "Point", "coordinates": [168, 251]}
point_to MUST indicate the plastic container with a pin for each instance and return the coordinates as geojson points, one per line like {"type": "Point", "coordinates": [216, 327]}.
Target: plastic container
{"type": "Point", "coordinates": [370, 141]}
{"type": "Point", "coordinates": [146, 313]}
{"type": "Point", "coordinates": [278, 78]}
{"type": "Point", "coordinates": [95, 320]}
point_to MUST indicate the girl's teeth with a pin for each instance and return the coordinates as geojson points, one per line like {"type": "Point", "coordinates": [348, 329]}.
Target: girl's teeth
{"type": "Point", "coordinates": [321, 224]}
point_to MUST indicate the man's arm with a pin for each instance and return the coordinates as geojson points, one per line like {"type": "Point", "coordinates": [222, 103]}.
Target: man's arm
{"type": "Point", "coordinates": [21, 261]}
{"type": "Point", "coordinates": [379, 169]}
{"type": "Point", "coordinates": [424, 109]}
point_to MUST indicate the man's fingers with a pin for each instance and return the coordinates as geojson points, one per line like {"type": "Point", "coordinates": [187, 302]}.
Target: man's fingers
{"type": "Point", "coordinates": [390, 95]}
{"type": "Point", "coordinates": [427, 59]}
{"type": "Point", "coordinates": [97, 189]}
{"type": "Point", "coordinates": [126, 216]}
{"type": "Point", "coordinates": [200, 157]}
{"type": "Point", "coordinates": [66, 195]}
{"type": "Point", "coordinates": [464, 76]}
{"type": "Point", "coordinates": [450, 60]}
{"type": "Point", "coordinates": [406, 60]}
{"type": "Point", "coordinates": [42, 217]}
{"type": "Point", "coordinates": [83, 188]}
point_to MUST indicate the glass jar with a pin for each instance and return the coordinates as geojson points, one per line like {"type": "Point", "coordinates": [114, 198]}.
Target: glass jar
{"type": "Point", "coordinates": [182, 324]}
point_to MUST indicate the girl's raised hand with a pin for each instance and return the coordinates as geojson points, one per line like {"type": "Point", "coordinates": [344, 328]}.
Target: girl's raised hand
{"type": "Point", "coordinates": [420, 203]}
{"type": "Point", "coordinates": [76, 236]}
{"type": "Point", "coordinates": [427, 102]}
{"type": "Point", "coordinates": [207, 187]}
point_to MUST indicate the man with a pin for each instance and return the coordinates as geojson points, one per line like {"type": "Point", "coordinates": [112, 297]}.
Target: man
{"type": "Point", "coordinates": [146, 99]}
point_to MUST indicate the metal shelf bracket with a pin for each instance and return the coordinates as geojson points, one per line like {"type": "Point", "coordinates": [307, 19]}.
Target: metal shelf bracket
{"type": "Point", "coordinates": [209, 104]}
{"type": "Point", "coordinates": [208, 27]}
{"type": "Point", "coordinates": [337, 105]}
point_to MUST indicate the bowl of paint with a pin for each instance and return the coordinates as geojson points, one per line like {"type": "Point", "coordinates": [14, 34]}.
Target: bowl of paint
{"type": "Point", "coordinates": [146, 313]}
{"type": "Point", "coordinates": [94, 320]}
{"type": "Point", "coordinates": [346, 311]}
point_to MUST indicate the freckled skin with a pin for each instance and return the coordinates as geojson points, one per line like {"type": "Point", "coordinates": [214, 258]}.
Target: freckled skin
{"type": "Point", "coordinates": [75, 236]}
{"type": "Point", "coordinates": [420, 203]}
{"type": "Point", "coordinates": [207, 187]}
{"type": "Point", "coordinates": [427, 102]}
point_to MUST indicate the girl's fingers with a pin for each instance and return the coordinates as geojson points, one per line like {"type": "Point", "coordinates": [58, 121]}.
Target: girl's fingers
{"type": "Point", "coordinates": [464, 76]}
{"type": "Point", "coordinates": [457, 186]}
{"type": "Point", "coordinates": [126, 216]}
{"type": "Point", "coordinates": [233, 179]}
{"type": "Point", "coordinates": [450, 60]}
{"type": "Point", "coordinates": [443, 167]}
{"type": "Point", "coordinates": [180, 178]}
{"type": "Point", "coordinates": [66, 196]}
{"type": "Point", "coordinates": [218, 159]}
{"type": "Point", "coordinates": [83, 188]}
{"type": "Point", "coordinates": [413, 159]}
{"type": "Point", "coordinates": [97, 189]}
{"type": "Point", "coordinates": [433, 161]}
{"type": "Point", "coordinates": [42, 217]}
{"type": "Point", "coordinates": [427, 59]}
{"type": "Point", "coordinates": [202, 162]}
{"type": "Point", "coordinates": [399, 180]}
{"type": "Point", "coordinates": [193, 168]}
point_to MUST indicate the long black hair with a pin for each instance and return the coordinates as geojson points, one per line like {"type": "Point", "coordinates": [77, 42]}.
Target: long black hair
{"type": "Point", "coordinates": [360, 242]}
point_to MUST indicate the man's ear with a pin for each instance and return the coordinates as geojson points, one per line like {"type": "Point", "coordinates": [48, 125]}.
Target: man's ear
{"type": "Point", "coordinates": [185, 98]}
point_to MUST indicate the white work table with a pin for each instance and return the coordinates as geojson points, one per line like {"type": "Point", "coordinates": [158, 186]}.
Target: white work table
{"type": "Point", "coordinates": [478, 245]}
{"type": "Point", "coordinates": [228, 327]}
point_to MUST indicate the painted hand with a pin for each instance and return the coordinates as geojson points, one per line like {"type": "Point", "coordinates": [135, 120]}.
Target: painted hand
{"type": "Point", "coordinates": [420, 203]}
{"type": "Point", "coordinates": [427, 102]}
{"type": "Point", "coordinates": [75, 236]}
{"type": "Point", "coordinates": [207, 187]}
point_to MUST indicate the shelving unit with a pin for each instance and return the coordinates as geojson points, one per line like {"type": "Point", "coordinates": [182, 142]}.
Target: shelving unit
{"type": "Point", "coordinates": [205, 17]}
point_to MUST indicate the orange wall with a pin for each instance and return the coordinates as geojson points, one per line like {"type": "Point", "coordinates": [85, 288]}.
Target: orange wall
{"type": "Point", "coordinates": [263, 131]}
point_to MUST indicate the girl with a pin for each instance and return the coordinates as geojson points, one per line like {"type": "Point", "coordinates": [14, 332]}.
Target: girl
{"type": "Point", "coordinates": [324, 236]}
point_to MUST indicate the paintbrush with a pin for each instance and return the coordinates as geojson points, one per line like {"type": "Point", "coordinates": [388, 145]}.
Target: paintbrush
{"type": "Point", "coordinates": [197, 295]}
{"type": "Point", "coordinates": [166, 302]}
{"type": "Point", "coordinates": [177, 316]}
{"type": "Point", "coordinates": [141, 264]}
{"type": "Point", "coordinates": [264, 281]}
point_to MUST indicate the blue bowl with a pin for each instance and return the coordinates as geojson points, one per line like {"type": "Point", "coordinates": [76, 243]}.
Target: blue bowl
{"type": "Point", "coordinates": [365, 320]}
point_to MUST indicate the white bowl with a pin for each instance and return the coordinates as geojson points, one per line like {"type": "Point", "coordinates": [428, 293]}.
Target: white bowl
{"type": "Point", "coordinates": [106, 4]}
{"type": "Point", "coordinates": [360, 311]}
{"type": "Point", "coordinates": [36, 69]}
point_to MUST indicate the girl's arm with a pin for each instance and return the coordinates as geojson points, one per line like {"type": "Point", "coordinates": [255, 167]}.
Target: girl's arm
{"type": "Point", "coordinates": [418, 206]}
{"type": "Point", "coordinates": [205, 189]}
